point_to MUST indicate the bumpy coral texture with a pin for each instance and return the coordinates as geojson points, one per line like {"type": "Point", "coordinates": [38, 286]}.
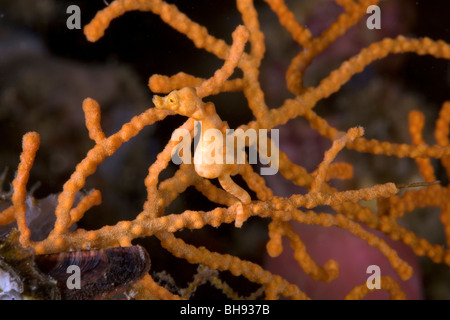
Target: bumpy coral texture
{"type": "Point", "coordinates": [234, 204]}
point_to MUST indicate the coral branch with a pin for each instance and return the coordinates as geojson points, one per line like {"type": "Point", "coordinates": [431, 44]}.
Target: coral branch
{"type": "Point", "coordinates": [30, 145]}
{"type": "Point", "coordinates": [169, 14]}
{"type": "Point", "coordinates": [163, 84]}
{"type": "Point", "coordinates": [330, 155]}
{"type": "Point", "coordinates": [387, 284]}
{"type": "Point", "coordinates": [7, 216]}
{"type": "Point", "coordinates": [92, 114]}
{"type": "Point", "coordinates": [240, 37]}
{"type": "Point", "coordinates": [94, 198]}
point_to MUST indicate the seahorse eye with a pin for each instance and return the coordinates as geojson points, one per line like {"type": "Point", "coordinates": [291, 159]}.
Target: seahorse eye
{"type": "Point", "coordinates": [172, 99]}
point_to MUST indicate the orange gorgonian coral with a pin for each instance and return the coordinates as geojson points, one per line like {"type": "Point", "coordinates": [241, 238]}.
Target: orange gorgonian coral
{"type": "Point", "coordinates": [186, 96]}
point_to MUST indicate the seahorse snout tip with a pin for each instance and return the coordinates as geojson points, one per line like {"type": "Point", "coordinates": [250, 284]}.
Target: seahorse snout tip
{"type": "Point", "coordinates": [158, 102]}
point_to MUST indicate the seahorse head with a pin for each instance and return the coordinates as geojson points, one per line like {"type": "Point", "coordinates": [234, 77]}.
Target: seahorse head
{"type": "Point", "coordinates": [184, 102]}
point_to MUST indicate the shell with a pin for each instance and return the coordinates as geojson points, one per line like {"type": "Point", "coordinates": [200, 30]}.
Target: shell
{"type": "Point", "coordinates": [104, 272]}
